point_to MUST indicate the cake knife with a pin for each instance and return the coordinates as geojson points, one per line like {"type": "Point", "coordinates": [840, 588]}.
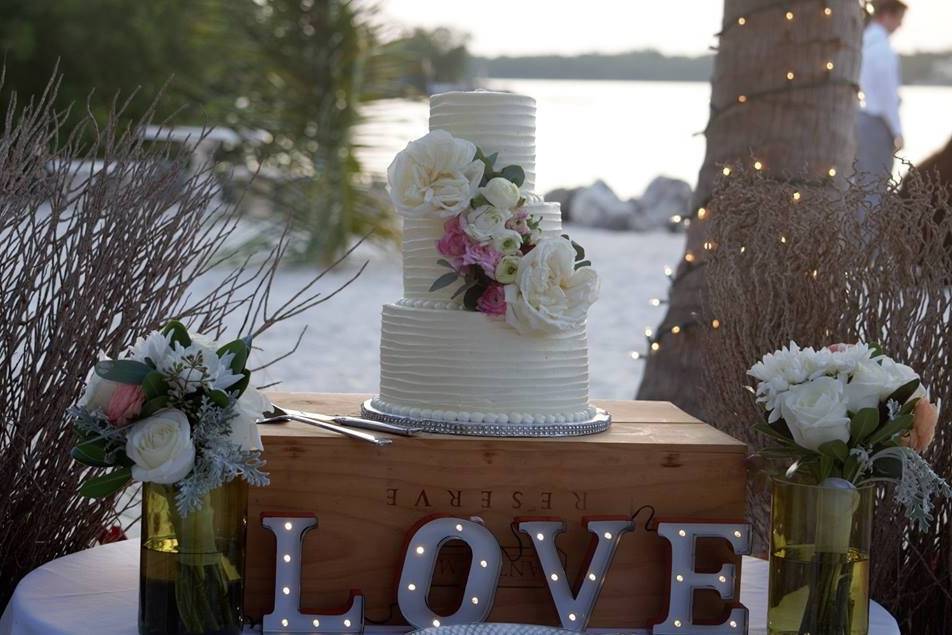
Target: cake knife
{"type": "Point", "coordinates": [358, 422]}
{"type": "Point", "coordinates": [325, 425]}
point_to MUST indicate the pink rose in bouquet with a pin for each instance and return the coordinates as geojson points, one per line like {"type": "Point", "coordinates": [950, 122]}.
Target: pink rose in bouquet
{"type": "Point", "coordinates": [925, 417]}
{"type": "Point", "coordinates": [493, 300]}
{"type": "Point", "coordinates": [125, 404]}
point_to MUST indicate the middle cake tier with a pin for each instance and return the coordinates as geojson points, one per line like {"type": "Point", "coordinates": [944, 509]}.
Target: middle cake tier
{"type": "Point", "coordinates": [455, 365]}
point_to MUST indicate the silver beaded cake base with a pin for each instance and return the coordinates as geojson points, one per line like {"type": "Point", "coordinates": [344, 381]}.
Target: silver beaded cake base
{"type": "Point", "coordinates": [599, 423]}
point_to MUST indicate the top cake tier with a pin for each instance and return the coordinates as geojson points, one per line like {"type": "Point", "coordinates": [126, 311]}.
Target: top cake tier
{"type": "Point", "coordinates": [495, 122]}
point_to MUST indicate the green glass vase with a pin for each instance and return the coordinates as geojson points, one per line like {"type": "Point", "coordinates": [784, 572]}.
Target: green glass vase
{"type": "Point", "coordinates": [191, 568]}
{"type": "Point", "coordinates": [819, 559]}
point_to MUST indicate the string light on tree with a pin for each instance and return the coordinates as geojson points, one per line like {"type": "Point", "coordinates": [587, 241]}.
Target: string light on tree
{"type": "Point", "coordinates": [742, 21]}
{"type": "Point", "coordinates": [742, 99]}
{"type": "Point", "coordinates": [827, 11]}
{"type": "Point", "coordinates": [791, 75]}
{"type": "Point", "coordinates": [726, 171]}
{"type": "Point", "coordinates": [796, 196]}
{"type": "Point", "coordinates": [831, 172]}
{"type": "Point", "coordinates": [758, 165]}
{"type": "Point", "coordinates": [789, 15]}
{"type": "Point", "coordinates": [702, 213]}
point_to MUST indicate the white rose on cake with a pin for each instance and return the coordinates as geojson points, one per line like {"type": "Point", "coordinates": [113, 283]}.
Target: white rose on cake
{"type": "Point", "coordinates": [161, 447]}
{"type": "Point", "coordinates": [501, 193]}
{"type": "Point", "coordinates": [508, 242]}
{"type": "Point", "coordinates": [434, 175]}
{"type": "Point", "coordinates": [485, 222]}
{"type": "Point", "coordinates": [815, 412]}
{"type": "Point", "coordinates": [549, 295]}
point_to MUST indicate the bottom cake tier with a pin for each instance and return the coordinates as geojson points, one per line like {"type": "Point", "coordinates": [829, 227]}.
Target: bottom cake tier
{"type": "Point", "coordinates": [454, 365]}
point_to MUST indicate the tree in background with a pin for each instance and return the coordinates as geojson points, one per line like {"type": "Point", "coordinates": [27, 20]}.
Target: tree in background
{"type": "Point", "coordinates": [783, 100]}
{"type": "Point", "coordinates": [296, 73]}
{"type": "Point", "coordinates": [438, 56]}
{"type": "Point", "coordinates": [302, 71]}
{"type": "Point", "coordinates": [110, 47]}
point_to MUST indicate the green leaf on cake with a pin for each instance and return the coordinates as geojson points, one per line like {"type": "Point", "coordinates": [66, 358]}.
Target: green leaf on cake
{"type": "Point", "coordinates": [123, 371]}
{"type": "Point", "coordinates": [478, 201]}
{"type": "Point", "coordinates": [471, 298]}
{"type": "Point", "coordinates": [583, 263]}
{"type": "Point", "coordinates": [579, 250]}
{"type": "Point", "coordinates": [444, 263]}
{"type": "Point", "coordinates": [515, 174]}
{"type": "Point", "coordinates": [107, 484]}
{"type": "Point", "coordinates": [444, 281]}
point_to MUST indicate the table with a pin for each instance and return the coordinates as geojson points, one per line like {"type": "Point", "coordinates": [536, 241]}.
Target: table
{"type": "Point", "coordinates": [96, 592]}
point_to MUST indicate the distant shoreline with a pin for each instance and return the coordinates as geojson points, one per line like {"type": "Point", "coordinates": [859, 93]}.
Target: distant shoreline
{"type": "Point", "coordinates": [933, 69]}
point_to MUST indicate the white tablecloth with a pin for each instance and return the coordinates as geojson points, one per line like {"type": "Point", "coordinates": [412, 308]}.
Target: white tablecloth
{"type": "Point", "coordinates": [95, 592]}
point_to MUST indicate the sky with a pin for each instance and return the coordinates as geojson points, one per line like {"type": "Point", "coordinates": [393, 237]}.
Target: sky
{"type": "Point", "coordinates": [567, 27]}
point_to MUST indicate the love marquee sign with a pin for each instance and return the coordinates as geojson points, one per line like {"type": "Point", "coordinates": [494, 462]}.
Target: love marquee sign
{"type": "Point", "coordinates": [574, 606]}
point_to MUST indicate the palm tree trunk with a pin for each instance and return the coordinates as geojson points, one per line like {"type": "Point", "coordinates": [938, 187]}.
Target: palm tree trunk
{"type": "Point", "coordinates": [784, 98]}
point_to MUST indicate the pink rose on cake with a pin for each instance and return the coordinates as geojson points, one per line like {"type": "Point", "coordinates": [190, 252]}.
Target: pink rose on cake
{"type": "Point", "coordinates": [483, 255]}
{"type": "Point", "coordinates": [549, 294]}
{"type": "Point", "coordinates": [493, 300]}
{"type": "Point", "coordinates": [436, 175]}
{"type": "Point", "coordinates": [453, 243]}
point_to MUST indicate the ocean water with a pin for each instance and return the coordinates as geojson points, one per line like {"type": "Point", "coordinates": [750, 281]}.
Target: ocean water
{"type": "Point", "coordinates": [625, 132]}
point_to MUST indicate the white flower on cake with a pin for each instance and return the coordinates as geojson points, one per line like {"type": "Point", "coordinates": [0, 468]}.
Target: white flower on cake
{"type": "Point", "coordinates": [485, 223]}
{"type": "Point", "coordinates": [507, 269]}
{"type": "Point", "coordinates": [161, 447]}
{"type": "Point", "coordinates": [501, 193]}
{"type": "Point", "coordinates": [815, 412]}
{"type": "Point", "coordinates": [435, 175]}
{"type": "Point", "coordinates": [508, 242]}
{"type": "Point", "coordinates": [549, 294]}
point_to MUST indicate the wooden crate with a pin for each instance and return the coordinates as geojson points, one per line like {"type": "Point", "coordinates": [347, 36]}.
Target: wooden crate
{"type": "Point", "coordinates": [367, 498]}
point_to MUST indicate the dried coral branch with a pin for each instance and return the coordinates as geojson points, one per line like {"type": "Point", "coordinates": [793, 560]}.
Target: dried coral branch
{"type": "Point", "coordinates": [807, 268]}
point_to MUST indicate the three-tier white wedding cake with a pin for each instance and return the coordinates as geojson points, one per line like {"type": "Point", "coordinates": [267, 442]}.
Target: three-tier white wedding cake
{"type": "Point", "coordinates": [489, 337]}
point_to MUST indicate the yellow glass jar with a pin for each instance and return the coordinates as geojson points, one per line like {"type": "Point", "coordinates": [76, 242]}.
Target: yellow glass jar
{"type": "Point", "coordinates": [191, 568]}
{"type": "Point", "coordinates": [819, 558]}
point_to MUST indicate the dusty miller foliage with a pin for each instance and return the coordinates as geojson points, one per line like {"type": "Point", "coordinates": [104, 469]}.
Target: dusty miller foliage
{"type": "Point", "coordinates": [782, 268]}
{"type": "Point", "coordinates": [100, 243]}
{"type": "Point", "coordinates": [222, 460]}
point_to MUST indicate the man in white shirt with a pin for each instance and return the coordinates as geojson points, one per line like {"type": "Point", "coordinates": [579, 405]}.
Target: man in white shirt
{"type": "Point", "coordinates": [878, 129]}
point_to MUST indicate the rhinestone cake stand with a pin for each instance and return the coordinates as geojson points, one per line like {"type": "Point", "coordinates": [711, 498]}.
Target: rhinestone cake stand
{"type": "Point", "coordinates": [599, 423]}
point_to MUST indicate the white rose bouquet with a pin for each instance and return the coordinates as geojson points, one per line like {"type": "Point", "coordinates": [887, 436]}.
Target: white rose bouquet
{"type": "Point", "coordinates": [177, 410]}
{"type": "Point", "coordinates": [492, 245]}
{"type": "Point", "coordinates": [850, 413]}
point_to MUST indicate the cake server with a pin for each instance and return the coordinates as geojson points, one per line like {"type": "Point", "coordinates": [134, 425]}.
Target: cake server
{"type": "Point", "coordinates": [358, 422]}
{"type": "Point", "coordinates": [282, 415]}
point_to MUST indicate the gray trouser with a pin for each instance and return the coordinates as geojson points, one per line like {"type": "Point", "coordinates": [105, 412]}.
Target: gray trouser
{"type": "Point", "coordinates": [875, 148]}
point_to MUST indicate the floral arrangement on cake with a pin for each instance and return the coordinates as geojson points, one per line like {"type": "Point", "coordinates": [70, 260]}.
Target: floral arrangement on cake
{"type": "Point", "coordinates": [848, 412]}
{"type": "Point", "coordinates": [177, 410]}
{"type": "Point", "coordinates": [491, 244]}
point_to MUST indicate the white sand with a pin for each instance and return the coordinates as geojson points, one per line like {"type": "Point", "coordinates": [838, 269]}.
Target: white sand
{"type": "Point", "coordinates": [340, 352]}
